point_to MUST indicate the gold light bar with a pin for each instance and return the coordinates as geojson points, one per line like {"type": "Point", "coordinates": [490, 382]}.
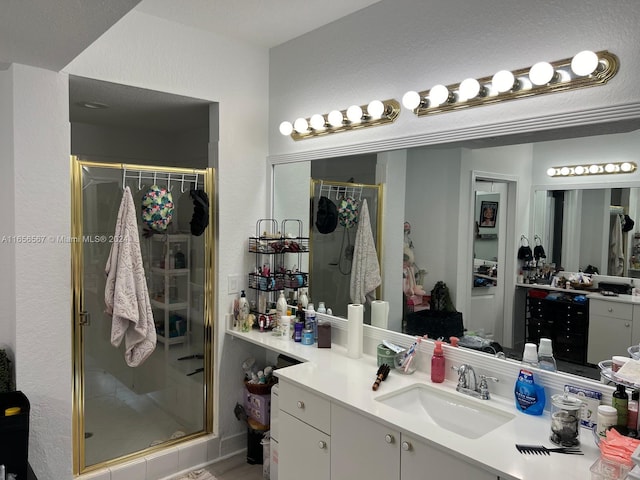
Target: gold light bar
{"type": "Point", "coordinates": [374, 114]}
{"type": "Point", "coordinates": [610, 168]}
{"type": "Point", "coordinates": [586, 69]}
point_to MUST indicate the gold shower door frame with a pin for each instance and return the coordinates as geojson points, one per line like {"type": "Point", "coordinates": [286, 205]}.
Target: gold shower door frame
{"type": "Point", "coordinates": [77, 269]}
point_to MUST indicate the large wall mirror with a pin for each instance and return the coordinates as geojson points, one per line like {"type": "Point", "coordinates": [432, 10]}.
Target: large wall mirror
{"type": "Point", "coordinates": [434, 189]}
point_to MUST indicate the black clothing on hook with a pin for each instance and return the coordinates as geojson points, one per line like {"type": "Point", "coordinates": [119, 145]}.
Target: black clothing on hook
{"type": "Point", "coordinates": [200, 219]}
{"type": "Point", "coordinates": [327, 216]}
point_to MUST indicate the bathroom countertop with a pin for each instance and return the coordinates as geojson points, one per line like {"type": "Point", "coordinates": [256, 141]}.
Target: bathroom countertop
{"type": "Point", "coordinates": [347, 381]}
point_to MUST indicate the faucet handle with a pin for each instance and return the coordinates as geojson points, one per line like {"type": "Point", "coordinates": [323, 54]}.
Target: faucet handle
{"type": "Point", "coordinates": [483, 388]}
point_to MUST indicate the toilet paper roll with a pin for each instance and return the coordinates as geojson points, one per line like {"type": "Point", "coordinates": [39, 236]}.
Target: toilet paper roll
{"type": "Point", "coordinates": [380, 314]}
{"type": "Point", "coordinates": [355, 314]}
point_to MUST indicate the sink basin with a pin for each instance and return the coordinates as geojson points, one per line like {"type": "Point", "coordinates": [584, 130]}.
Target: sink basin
{"type": "Point", "coordinates": [465, 416]}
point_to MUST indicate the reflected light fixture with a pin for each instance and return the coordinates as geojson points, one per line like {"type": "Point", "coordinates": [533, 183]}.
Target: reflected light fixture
{"type": "Point", "coordinates": [586, 69]}
{"type": "Point", "coordinates": [356, 116]}
{"type": "Point", "coordinates": [608, 168]}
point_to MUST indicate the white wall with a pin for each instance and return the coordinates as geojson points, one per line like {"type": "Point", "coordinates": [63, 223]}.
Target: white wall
{"type": "Point", "coordinates": [7, 216]}
{"type": "Point", "coordinates": [42, 274]}
{"type": "Point", "coordinates": [399, 45]}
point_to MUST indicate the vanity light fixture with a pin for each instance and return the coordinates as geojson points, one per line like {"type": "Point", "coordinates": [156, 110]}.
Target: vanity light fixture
{"type": "Point", "coordinates": [586, 69]}
{"type": "Point", "coordinates": [592, 169]}
{"type": "Point", "coordinates": [356, 116]}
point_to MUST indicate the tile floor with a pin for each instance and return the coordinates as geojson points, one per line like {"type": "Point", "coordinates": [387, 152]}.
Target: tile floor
{"type": "Point", "coordinates": [119, 421]}
{"type": "Point", "coordinates": [236, 468]}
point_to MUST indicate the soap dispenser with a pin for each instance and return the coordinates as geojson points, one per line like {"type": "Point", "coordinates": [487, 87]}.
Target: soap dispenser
{"type": "Point", "coordinates": [437, 363]}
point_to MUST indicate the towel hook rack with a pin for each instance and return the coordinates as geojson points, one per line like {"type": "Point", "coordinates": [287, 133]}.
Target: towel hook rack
{"type": "Point", "coordinates": [140, 180]}
{"type": "Point", "coordinates": [169, 182]}
{"type": "Point", "coordinates": [195, 187]}
{"type": "Point", "coordinates": [124, 178]}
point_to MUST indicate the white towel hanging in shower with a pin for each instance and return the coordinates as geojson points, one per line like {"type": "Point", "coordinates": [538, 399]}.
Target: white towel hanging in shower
{"type": "Point", "coordinates": [126, 294]}
{"type": "Point", "coordinates": [365, 270]}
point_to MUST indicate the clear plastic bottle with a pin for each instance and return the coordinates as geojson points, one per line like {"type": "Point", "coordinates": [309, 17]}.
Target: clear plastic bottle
{"type": "Point", "coordinates": [546, 361]}
{"type": "Point", "coordinates": [310, 320]}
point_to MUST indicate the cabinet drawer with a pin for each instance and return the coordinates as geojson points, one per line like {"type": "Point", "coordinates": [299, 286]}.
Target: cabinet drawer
{"type": "Point", "coordinates": [305, 405]}
{"type": "Point", "coordinates": [611, 309]}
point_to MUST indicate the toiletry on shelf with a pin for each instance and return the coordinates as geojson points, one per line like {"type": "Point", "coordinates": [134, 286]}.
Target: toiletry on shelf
{"type": "Point", "coordinates": [437, 363]}
{"type": "Point", "coordinates": [530, 397]}
{"type": "Point", "coordinates": [620, 402]}
{"type": "Point", "coordinates": [310, 320]}
{"type": "Point", "coordinates": [632, 416]}
{"type": "Point", "coordinates": [321, 308]}
{"type": "Point", "coordinates": [546, 361]}
{"type": "Point", "coordinates": [530, 355]}
{"type": "Point", "coordinates": [307, 336]}
{"type": "Point", "coordinates": [281, 307]}
{"type": "Point", "coordinates": [607, 417]}
{"type": "Point", "coordinates": [381, 375]}
{"type": "Point", "coordinates": [298, 327]}
{"type": "Point", "coordinates": [303, 298]}
{"type": "Point", "coordinates": [324, 333]}
{"type": "Point", "coordinates": [285, 326]}
{"type": "Point", "coordinates": [179, 259]}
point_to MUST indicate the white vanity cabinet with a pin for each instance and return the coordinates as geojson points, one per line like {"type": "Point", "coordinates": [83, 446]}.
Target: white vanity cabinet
{"type": "Point", "coordinates": [418, 458]}
{"type": "Point", "coordinates": [362, 448]}
{"type": "Point", "coordinates": [304, 428]}
{"type": "Point", "coordinates": [611, 329]}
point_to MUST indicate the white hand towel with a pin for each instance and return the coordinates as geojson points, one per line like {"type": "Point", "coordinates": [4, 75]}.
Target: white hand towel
{"type": "Point", "coordinates": [365, 269]}
{"type": "Point", "coordinates": [126, 294]}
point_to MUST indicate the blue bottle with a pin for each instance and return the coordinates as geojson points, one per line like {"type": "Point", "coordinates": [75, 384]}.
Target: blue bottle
{"type": "Point", "coordinates": [530, 398]}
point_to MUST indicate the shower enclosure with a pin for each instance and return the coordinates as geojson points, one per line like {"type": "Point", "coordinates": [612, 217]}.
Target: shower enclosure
{"type": "Point", "coordinates": [120, 411]}
{"type": "Point", "coordinates": [332, 253]}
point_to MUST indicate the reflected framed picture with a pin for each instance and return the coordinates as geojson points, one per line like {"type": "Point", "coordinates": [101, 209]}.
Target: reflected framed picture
{"type": "Point", "coordinates": [488, 214]}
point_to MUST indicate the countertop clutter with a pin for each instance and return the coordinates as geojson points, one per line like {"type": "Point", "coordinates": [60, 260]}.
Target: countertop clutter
{"type": "Point", "coordinates": [345, 384]}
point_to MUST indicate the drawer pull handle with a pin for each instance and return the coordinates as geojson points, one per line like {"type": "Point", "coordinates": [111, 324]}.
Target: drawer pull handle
{"type": "Point", "coordinates": [322, 445]}
{"type": "Point", "coordinates": [610, 309]}
{"type": "Point", "coordinates": [300, 404]}
{"type": "Point", "coordinates": [388, 438]}
{"type": "Point", "coordinates": [406, 446]}
{"type": "Point", "coordinates": [627, 324]}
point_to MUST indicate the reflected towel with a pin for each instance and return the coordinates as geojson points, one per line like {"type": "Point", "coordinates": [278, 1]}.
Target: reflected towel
{"type": "Point", "coordinates": [126, 295]}
{"type": "Point", "coordinates": [365, 270]}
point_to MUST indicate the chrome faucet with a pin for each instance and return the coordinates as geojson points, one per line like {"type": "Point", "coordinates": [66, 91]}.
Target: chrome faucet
{"type": "Point", "coordinates": [468, 383]}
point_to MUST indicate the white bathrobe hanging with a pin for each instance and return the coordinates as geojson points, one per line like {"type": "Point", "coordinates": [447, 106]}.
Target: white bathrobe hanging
{"type": "Point", "coordinates": [126, 294]}
{"type": "Point", "coordinates": [365, 271]}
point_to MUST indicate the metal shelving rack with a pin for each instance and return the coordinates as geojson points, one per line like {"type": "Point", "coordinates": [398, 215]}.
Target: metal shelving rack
{"type": "Point", "coordinates": [272, 246]}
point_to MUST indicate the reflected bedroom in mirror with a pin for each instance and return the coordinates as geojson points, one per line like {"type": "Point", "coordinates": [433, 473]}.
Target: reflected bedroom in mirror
{"type": "Point", "coordinates": [449, 214]}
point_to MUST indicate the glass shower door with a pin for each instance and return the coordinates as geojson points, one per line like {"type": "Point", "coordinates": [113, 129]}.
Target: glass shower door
{"type": "Point", "coordinates": [122, 409]}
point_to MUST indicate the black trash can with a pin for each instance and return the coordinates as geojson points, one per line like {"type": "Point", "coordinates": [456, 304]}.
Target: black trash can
{"type": "Point", "coordinates": [14, 433]}
{"type": "Point", "coordinates": [255, 433]}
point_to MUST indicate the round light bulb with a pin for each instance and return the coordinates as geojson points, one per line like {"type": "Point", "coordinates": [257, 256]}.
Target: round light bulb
{"type": "Point", "coordinates": [564, 171]}
{"type": "Point", "coordinates": [584, 63]}
{"type": "Point", "coordinates": [551, 172]}
{"type": "Point", "coordinates": [609, 168]}
{"type": "Point", "coordinates": [579, 170]}
{"type": "Point", "coordinates": [335, 118]}
{"type": "Point", "coordinates": [438, 95]}
{"type": "Point", "coordinates": [411, 100]}
{"type": "Point", "coordinates": [354, 113]}
{"type": "Point", "coordinates": [503, 81]}
{"type": "Point", "coordinates": [469, 88]}
{"type": "Point", "coordinates": [300, 125]}
{"type": "Point", "coordinates": [286, 128]}
{"type": "Point", "coordinates": [541, 73]}
{"type": "Point", "coordinates": [317, 122]}
{"type": "Point", "coordinates": [594, 169]}
{"type": "Point", "coordinates": [375, 109]}
{"type": "Point", "coordinates": [626, 167]}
